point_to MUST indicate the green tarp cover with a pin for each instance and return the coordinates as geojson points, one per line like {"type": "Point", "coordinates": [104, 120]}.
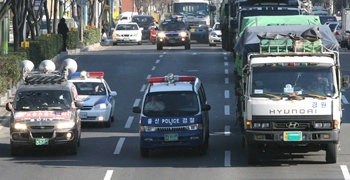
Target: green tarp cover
{"type": "Point", "coordinates": [268, 46]}
{"type": "Point", "coordinates": [279, 20]}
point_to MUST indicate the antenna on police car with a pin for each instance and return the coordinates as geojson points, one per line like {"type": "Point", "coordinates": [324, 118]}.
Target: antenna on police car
{"type": "Point", "coordinates": [69, 66]}
{"type": "Point", "coordinates": [26, 66]}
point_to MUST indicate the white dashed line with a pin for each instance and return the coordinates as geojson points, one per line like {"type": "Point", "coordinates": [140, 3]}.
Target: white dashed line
{"type": "Point", "coordinates": [227, 94]}
{"type": "Point", "coordinates": [164, 52]}
{"type": "Point", "coordinates": [227, 159]}
{"type": "Point", "coordinates": [344, 100]}
{"type": "Point", "coordinates": [226, 71]}
{"type": "Point", "coordinates": [143, 88]}
{"type": "Point", "coordinates": [227, 130]}
{"type": "Point", "coordinates": [108, 175]}
{"type": "Point", "coordinates": [157, 61]}
{"type": "Point", "coordinates": [345, 171]}
{"type": "Point", "coordinates": [119, 146]}
{"type": "Point", "coordinates": [227, 110]}
{"type": "Point", "coordinates": [136, 102]}
{"type": "Point", "coordinates": [226, 80]}
{"type": "Point", "coordinates": [153, 68]}
{"type": "Point", "coordinates": [225, 53]}
{"type": "Point", "coordinates": [129, 122]}
{"type": "Point", "coordinates": [148, 76]}
{"type": "Point", "coordinates": [225, 58]}
{"type": "Point", "coordinates": [161, 55]}
{"type": "Point", "coordinates": [194, 53]}
{"type": "Point", "coordinates": [226, 63]}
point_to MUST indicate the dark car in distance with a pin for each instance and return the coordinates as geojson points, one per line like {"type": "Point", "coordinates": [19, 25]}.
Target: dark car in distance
{"type": "Point", "coordinates": [144, 21]}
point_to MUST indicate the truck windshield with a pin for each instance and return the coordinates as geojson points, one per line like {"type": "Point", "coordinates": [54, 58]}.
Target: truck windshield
{"type": "Point", "coordinates": [194, 9]}
{"type": "Point", "coordinates": [89, 88]}
{"type": "Point", "coordinates": [168, 104]}
{"type": "Point", "coordinates": [172, 26]}
{"type": "Point", "coordinates": [292, 80]}
{"type": "Point", "coordinates": [43, 100]}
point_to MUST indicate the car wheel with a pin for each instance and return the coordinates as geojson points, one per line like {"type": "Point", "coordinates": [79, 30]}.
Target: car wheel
{"type": "Point", "coordinates": [139, 43]}
{"type": "Point", "coordinates": [144, 152]}
{"type": "Point", "coordinates": [73, 148]}
{"type": "Point", "coordinates": [252, 153]}
{"type": "Point", "coordinates": [331, 153]}
{"type": "Point", "coordinates": [108, 123]}
{"type": "Point", "coordinates": [159, 46]}
{"type": "Point", "coordinates": [15, 151]}
{"type": "Point", "coordinates": [348, 46]}
{"type": "Point", "coordinates": [188, 46]}
{"type": "Point", "coordinates": [153, 43]}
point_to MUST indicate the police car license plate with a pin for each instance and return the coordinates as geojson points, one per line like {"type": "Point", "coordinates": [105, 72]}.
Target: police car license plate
{"type": "Point", "coordinates": [41, 142]}
{"type": "Point", "coordinates": [292, 136]}
{"type": "Point", "coordinates": [126, 39]}
{"type": "Point", "coordinates": [83, 115]}
{"type": "Point", "coordinates": [171, 137]}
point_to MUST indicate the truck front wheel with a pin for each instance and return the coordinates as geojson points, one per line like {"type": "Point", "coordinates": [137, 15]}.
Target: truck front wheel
{"type": "Point", "coordinates": [331, 153]}
{"type": "Point", "coordinates": [144, 152]}
{"type": "Point", "coordinates": [252, 153]}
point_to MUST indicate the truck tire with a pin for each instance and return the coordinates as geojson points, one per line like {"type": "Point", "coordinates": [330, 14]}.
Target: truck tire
{"type": "Point", "coordinates": [331, 153]}
{"type": "Point", "coordinates": [144, 152]}
{"type": "Point", "coordinates": [159, 46]}
{"type": "Point", "coordinates": [252, 153]}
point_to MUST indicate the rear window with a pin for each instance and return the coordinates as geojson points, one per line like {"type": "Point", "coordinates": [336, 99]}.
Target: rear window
{"type": "Point", "coordinates": [324, 19]}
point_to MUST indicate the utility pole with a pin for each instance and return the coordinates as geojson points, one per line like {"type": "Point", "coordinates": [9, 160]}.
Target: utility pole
{"type": "Point", "coordinates": [4, 35]}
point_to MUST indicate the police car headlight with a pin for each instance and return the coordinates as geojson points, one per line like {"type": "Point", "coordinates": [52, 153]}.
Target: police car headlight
{"type": "Point", "coordinates": [20, 126]}
{"type": "Point", "coordinates": [148, 128]}
{"type": "Point", "coordinates": [161, 35]}
{"type": "Point", "coordinates": [101, 106]}
{"type": "Point", "coordinates": [193, 127]}
{"type": "Point", "coordinates": [183, 34]}
{"type": "Point", "coordinates": [65, 125]}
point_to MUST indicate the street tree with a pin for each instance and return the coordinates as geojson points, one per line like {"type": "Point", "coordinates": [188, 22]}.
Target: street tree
{"type": "Point", "coordinates": [4, 9]}
{"type": "Point", "coordinates": [18, 8]}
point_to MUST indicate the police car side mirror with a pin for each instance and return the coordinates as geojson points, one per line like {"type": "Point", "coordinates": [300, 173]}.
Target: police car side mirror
{"type": "Point", "coordinates": [345, 82]}
{"type": "Point", "coordinates": [141, 29]}
{"type": "Point", "coordinates": [136, 109]}
{"type": "Point", "coordinates": [78, 104]}
{"type": "Point", "coordinates": [113, 93]}
{"type": "Point", "coordinates": [210, 29]}
{"type": "Point", "coordinates": [9, 106]}
{"type": "Point", "coordinates": [206, 107]}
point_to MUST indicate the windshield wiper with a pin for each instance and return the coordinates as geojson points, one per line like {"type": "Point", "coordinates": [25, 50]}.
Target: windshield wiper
{"type": "Point", "coordinates": [294, 96]}
{"type": "Point", "coordinates": [275, 96]}
{"type": "Point", "coordinates": [314, 95]}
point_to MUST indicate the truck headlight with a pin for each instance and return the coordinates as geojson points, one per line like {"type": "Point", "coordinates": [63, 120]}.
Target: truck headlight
{"type": "Point", "coordinates": [256, 125]}
{"type": "Point", "coordinates": [20, 126]}
{"type": "Point", "coordinates": [265, 125]}
{"type": "Point", "coordinates": [161, 35]}
{"type": "Point", "coordinates": [320, 125]}
{"type": "Point", "coordinates": [148, 128]}
{"type": "Point", "coordinates": [183, 34]}
{"type": "Point", "coordinates": [65, 125]}
{"type": "Point", "coordinates": [101, 106]}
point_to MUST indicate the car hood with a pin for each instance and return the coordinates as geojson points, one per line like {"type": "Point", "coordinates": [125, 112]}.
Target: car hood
{"type": "Point", "coordinates": [126, 31]}
{"type": "Point", "coordinates": [93, 100]}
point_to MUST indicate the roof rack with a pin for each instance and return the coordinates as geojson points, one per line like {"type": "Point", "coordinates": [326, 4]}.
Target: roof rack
{"type": "Point", "coordinates": [41, 78]}
{"type": "Point", "coordinates": [299, 46]}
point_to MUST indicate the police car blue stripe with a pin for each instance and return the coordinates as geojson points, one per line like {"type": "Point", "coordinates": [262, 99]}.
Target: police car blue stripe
{"type": "Point", "coordinates": [102, 100]}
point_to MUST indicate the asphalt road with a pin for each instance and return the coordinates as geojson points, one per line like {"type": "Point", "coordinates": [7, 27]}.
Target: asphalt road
{"type": "Point", "coordinates": [113, 153]}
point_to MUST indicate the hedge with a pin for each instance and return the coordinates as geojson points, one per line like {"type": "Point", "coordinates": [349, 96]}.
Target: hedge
{"type": "Point", "coordinates": [45, 47]}
{"type": "Point", "coordinates": [72, 39]}
{"type": "Point", "coordinates": [91, 36]}
{"type": "Point", "coordinates": [9, 70]}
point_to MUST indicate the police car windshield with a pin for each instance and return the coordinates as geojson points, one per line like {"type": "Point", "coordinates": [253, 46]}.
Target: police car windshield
{"type": "Point", "coordinates": [43, 100]}
{"type": "Point", "coordinates": [90, 88]}
{"type": "Point", "coordinates": [172, 26]}
{"type": "Point", "coordinates": [216, 27]}
{"type": "Point", "coordinates": [292, 80]}
{"type": "Point", "coordinates": [170, 104]}
{"type": "Point", "coordinates": [127, 27]}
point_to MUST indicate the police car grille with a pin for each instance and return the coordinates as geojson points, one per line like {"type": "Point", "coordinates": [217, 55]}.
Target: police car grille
{"type": "Point", "coordinates": [219, 35]}
{"type": "Point", "coordinates": [86, 108]}
{"type": "Point", "coordinates": [172, 35]}
{"type": "Point", "coordinates": [42, 127]}
{"type": "Point", "coordinates": [170, 129]}
{"type": "Point", "coordinates": [42, 135]}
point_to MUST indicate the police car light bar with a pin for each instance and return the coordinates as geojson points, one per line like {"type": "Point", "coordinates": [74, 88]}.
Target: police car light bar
{"type": "Point", "coordinates": [84, 73]}
{"type": "Point", "coordinates": [156, 80]}
{"type": "Point", "coordinates": [176, 79]}
{"type": "Point", "coordinates": [96, 74]}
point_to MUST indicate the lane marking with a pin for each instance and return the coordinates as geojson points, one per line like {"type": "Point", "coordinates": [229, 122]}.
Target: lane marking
{"type": "Point", "coordinates": [226, 80]}
{"type": "Point", "coordinates": [227, 110]}
{"type": "Point", "coordinates": [143, 88]}
{"type": "Point", "coordinates": [227, 159]}
{"type": "Point", "coordinates": [227, 130]}
{"type": "Point", "coordinates": [226, 63]}
{"type": "Point", "coordinates": [344, 100]}
{"type": "Point", "coordinates": [225, 53]}
{"type": "Point", "coordinates": [129, 122]}
{"type": "Point", "coordinates": [227, 94]}
{"type": "Point", "coordinates": [226, 71]}
{"type": "Point", "coordinates": [161, 55]}
{"type": "Point", "coordinates": [157, 61]}
{"type": "Point", "coordinates": [119, 146]}
{"type": "Point", "coordinates": [136, 102]}
{"type": "Point", "coordinates": [148, 76]}
{"type": "Point", "coordinates": [164, 52]}
{"type": "Point", "coordinates": [345, 171]}
{"type": "Point", "coordinates": [194, 53]}
{"type": "Point", "coordinates": [225, 58]}
{"type": "Point", "coordinates": [153, 68]}
{"type": "Point", "coordinates": [108, 175]}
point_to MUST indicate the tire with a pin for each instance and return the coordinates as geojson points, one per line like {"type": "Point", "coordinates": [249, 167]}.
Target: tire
{"type": "Point", "coordinates": [348, 46]}
{"type": "Point", "coordinates": [211, 45]}
{"type": "Point", "coordinates": [188, 46]}
{"type": "Point", "coordinates": [15, 151]}
{"type": "Point", "coordinates": [139, 43]}
{"type": "Point", "coordinates": [153, 43]}
{"type": "Point", "coordinates": [115, 43]}
{"type": "Point", "coordinates": [108, 123]}
{"type": "Point", "coordinates": [252, 153]}
{"type": "Point", "coordinates": [112, 119]}
{"type": "Point", "coordinates": [144, 152]}
{"type": "Point", "coordinates": [159, 46]}
{"type": "Point", "coordinates": [331, 153]}
{"type": "Point", "coordinates": [73, 148]}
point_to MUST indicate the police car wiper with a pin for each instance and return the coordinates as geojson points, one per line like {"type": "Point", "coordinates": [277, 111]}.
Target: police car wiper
{"type": "Point", "coordinates": [314, 95]}
{"type": "Point", "coordinates": [274, 96]}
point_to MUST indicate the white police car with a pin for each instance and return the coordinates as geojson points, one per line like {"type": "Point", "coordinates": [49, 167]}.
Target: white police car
{"type": "Point", "coordinates": [96, 96]}
{"type": "Point", "coordinates": [174, 113]}
{"type": "Point", "coordinates": [215, 35]}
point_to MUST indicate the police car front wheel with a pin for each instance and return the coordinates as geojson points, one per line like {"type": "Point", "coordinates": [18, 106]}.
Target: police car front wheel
{"type": "Point", "coordinates": [144, 152]}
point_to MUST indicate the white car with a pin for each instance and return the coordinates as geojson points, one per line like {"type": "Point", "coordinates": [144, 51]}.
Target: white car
{"type": "Point", "coordinates": [96, 96]}
{"type": "Point", "coordinates": [215, 35]}
{"type": "Point", "coordinates": [127, 33]}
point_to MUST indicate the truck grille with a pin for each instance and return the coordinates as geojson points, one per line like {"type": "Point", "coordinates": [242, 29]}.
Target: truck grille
{"type": "Point", "coordinates": [42, 135]}
{"type": "Point", "coordinates": [171, 129]}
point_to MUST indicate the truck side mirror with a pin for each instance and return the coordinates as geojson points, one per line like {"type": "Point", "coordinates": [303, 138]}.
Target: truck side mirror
{"type": "Point", "coordinates": [345, 82]}
{"type": "Point", "coordinates": [206, 107]}
{"type": "Point", "coordinates": [9, 106]}
{"type": "Point", "coordinates": [78, 104]}
{"type": "Point", "coordinates": [136, 109]}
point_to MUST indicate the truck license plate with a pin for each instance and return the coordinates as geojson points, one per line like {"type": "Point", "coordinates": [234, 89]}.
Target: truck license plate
{"type": "Point", "coordinates": [171, 137]}
{"type": "Point", "coordinates": [292, 136]}
{"type": "Point", "coordinates": [41, 142]}
{"type": "Point", "coordinates": [83, 115]}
